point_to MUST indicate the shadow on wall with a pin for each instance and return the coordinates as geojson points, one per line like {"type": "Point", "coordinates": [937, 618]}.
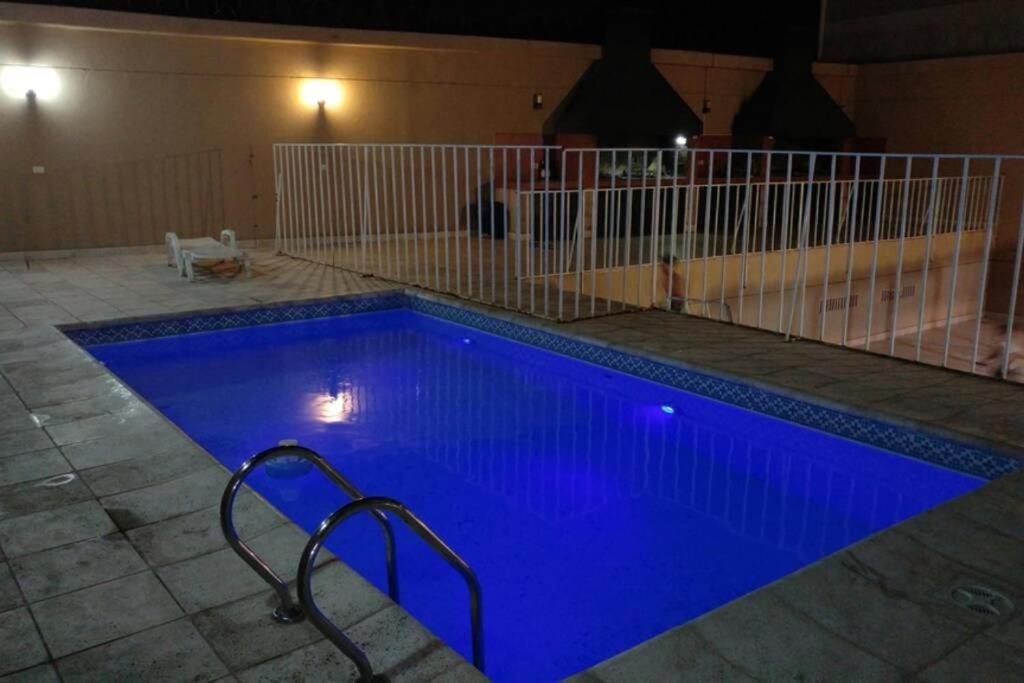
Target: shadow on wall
{"type": "Point", "coordinates": [130, 203]}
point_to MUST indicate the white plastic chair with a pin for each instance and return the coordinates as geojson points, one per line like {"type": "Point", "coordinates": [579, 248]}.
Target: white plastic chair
{"type": "Point", "coordinates": [176, 246]}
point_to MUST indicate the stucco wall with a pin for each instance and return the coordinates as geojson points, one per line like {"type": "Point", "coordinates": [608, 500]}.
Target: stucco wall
{"type": "Point", "coordinates": [167, 124]}
{"type": "Point", "coordinates": [968, 104]}
{"type": "Point", "coordinates": [861, 31]}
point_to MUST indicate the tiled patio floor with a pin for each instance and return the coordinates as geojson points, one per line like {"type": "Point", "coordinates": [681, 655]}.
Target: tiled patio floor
{"type": "Point", "coordinates": [120, 572]}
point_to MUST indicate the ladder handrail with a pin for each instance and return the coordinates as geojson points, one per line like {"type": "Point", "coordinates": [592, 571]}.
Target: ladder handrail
{"type": "Point", "coordinates": [375, 504]}
{"type": "Point", "coordinates": [288, 612]}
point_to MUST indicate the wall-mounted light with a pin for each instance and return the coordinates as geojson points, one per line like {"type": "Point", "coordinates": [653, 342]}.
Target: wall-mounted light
{"type": "Point", "coordinates": [322, 93]}
{"type": "Point", "coordinates": [33, 82]}
{"type": "Point", "coordinates": [538, 100]}
{"type": "Point", "coordinates": [680, 141]}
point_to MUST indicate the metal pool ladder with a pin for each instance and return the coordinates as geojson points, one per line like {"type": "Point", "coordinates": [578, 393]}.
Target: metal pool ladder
{"type": "Point", "coordinates": [288, 612]}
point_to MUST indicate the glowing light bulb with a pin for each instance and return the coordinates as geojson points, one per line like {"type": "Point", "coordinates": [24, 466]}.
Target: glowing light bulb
{"type": "Point", "coordinates": [680, 141]}
{"type": "Point", "coordinates": [318, 92]}
{"type": "Point", "coordinates": [39, 82]}
{"type": "Point", "coordinates": [668, 410]}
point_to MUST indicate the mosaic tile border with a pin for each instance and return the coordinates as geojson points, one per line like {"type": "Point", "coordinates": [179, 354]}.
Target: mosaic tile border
{"type": "Point", "coordinates": [225, 320]}
{"type": "Point", "coordinates": [934, 449]}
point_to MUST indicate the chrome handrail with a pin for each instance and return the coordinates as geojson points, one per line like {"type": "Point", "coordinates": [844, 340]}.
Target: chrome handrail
{"type": "Point", "coordinates": [375, 504]}
{"type": "Point", "coordinates": [288, 612]}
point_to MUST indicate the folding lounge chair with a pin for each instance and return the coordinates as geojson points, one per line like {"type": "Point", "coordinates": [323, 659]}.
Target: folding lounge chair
{"type": "Point", "coordinates": [209, 255]}
{"type": "Point", "coordinates": [176, 246]}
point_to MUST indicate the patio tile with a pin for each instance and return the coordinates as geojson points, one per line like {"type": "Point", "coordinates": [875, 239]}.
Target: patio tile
{"type": "Point", "coordinates": [73, 366]}
{"type": "Point", "coordinates": [9, 322]}
{"type": "Point", "coordinates": [15, 417]}
{"type": "Point", "coordinates": [222, 576]}
{"type": "Point", "coordinates": [769, 638]}
{"type": "Point", "coordinates": [42, 314]}
{"type": "Point", "coordinates": [798, 378]}
{"type": "Point", "coordinates": [45, 395]}
{"type": "Point", "coordinates": [135, 420]}
{"type": "Point", "coordinates": [993, 507]}
{"type": "Point", "coordinates": [78, 565]}
{"type": "Point", "coordinates": [242, 633]}
{"type": "Point", "coordinates": [148, 470]}
{"type": "Point", "coordinates": [105, 404]}
{"type": "Point", "coordinates": [980, 659]}
{"type": "Point", "coordinates": [126, 444]}
{"type": "Point", "coordinates": [857, 393]}
{"type": "Point", "coordinates": [10, 596]}
{"type": "Point", "coordinates": [177, 497]}
{"type": "Point", "coordinates": [437, 663]}
{"type": "Point", "coordinates": [15, 469]}
{"type": "Point", "coordinates": [999, 420]}
{"type": "Point", "coordinates": [867, 593]}
{"type": "Point", "coordinates": [389, 638]}
{"type": "Point", "coordinates": [51, 528]}
{"type": "Point", "coordinates": [24, 442]}
{"type": "Point", "coordinates": [38, 347]}
{"type": "Point", "coordinates": [13, 297]}
{"type": "Point", "coordinates": [199, 532]}
{"type": "Point", "coordinates": [172, 652]}
{"type": "Point", "coordinates": [680, 652]}
{"type": "Point", "coordinates": [970, 543]}
{"type": "Point", "coordinates": [44, 673]}
{"type": "Point", "coordinates": [38, 495]}
{"type": "Point", "coordinates": [1010, 632]}
{"type": "Point", "coordinates": [88, 617]}
{"type": "Point", "coordinates": [20, 645]}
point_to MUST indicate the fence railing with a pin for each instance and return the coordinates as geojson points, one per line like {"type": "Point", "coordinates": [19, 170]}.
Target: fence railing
{"type": "Point", "coordinates": [911, 255]}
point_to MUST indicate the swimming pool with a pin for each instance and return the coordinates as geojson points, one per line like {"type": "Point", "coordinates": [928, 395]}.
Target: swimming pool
{"type": "Point", "coordinates": [598, 508]}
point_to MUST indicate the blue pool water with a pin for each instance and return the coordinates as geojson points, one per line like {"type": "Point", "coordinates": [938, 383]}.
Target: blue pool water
{"type": "Point", "coordinates": [598, 509]}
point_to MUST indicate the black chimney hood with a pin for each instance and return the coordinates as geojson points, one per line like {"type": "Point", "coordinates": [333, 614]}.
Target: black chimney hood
{"type": "Point", "coordinates": [791, 105]}
{"type": "Point", "coordinates": [622, 99]}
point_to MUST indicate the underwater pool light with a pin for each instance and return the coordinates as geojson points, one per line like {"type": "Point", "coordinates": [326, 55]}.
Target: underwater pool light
{"type": "Point", "coordinates": [668, 410]}
{"type": "Point", "coordinates": [467, 340]}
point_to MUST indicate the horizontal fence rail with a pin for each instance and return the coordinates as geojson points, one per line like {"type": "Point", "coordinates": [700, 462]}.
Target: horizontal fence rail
{"type": "Point", "coordinates": [916, 256]}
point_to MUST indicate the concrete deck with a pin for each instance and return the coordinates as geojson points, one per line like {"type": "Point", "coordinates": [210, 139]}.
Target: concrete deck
{"type": "Point", "coordinates": [119, 572]}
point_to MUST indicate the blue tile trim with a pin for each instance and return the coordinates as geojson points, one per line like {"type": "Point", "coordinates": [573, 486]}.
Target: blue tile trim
{"type": "Point", "coordinates": [891, 437]}
{"type": "Point", "coordinates": [224, 320]}
{"type": "Point", "coordinates": [934, 449]}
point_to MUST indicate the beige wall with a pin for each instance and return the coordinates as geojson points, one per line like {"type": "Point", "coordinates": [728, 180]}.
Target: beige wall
{"type": "Point", "coordinates": [634, 285]}
{"type": "Point", "coordinates": [967, 104]}
{"type": "Point", "coordinates": [167, 124]}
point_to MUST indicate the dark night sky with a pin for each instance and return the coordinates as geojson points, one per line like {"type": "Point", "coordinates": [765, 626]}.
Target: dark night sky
{"type": "Point", "coordinates": [752, 28]}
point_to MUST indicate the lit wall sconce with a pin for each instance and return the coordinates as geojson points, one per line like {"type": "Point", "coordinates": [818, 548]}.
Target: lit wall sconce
{"type": "Point", "coordinates": [33, 82]}
{"type": "Point", "coordinates": [538, 100]}
{"type": "Point", "coordinates": [321, 93]}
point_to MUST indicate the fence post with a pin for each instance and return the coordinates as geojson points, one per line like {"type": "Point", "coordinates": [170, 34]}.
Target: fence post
{"type": "Point", "coordinates": [989, 224]}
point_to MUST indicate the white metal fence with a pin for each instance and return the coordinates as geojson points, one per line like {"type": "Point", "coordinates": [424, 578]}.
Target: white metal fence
{"type": "Point", "coordinates": [911, 255]}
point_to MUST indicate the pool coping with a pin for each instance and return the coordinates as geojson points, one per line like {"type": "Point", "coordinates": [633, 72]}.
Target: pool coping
{"type": "Point", "coordinates": [459, 309]}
